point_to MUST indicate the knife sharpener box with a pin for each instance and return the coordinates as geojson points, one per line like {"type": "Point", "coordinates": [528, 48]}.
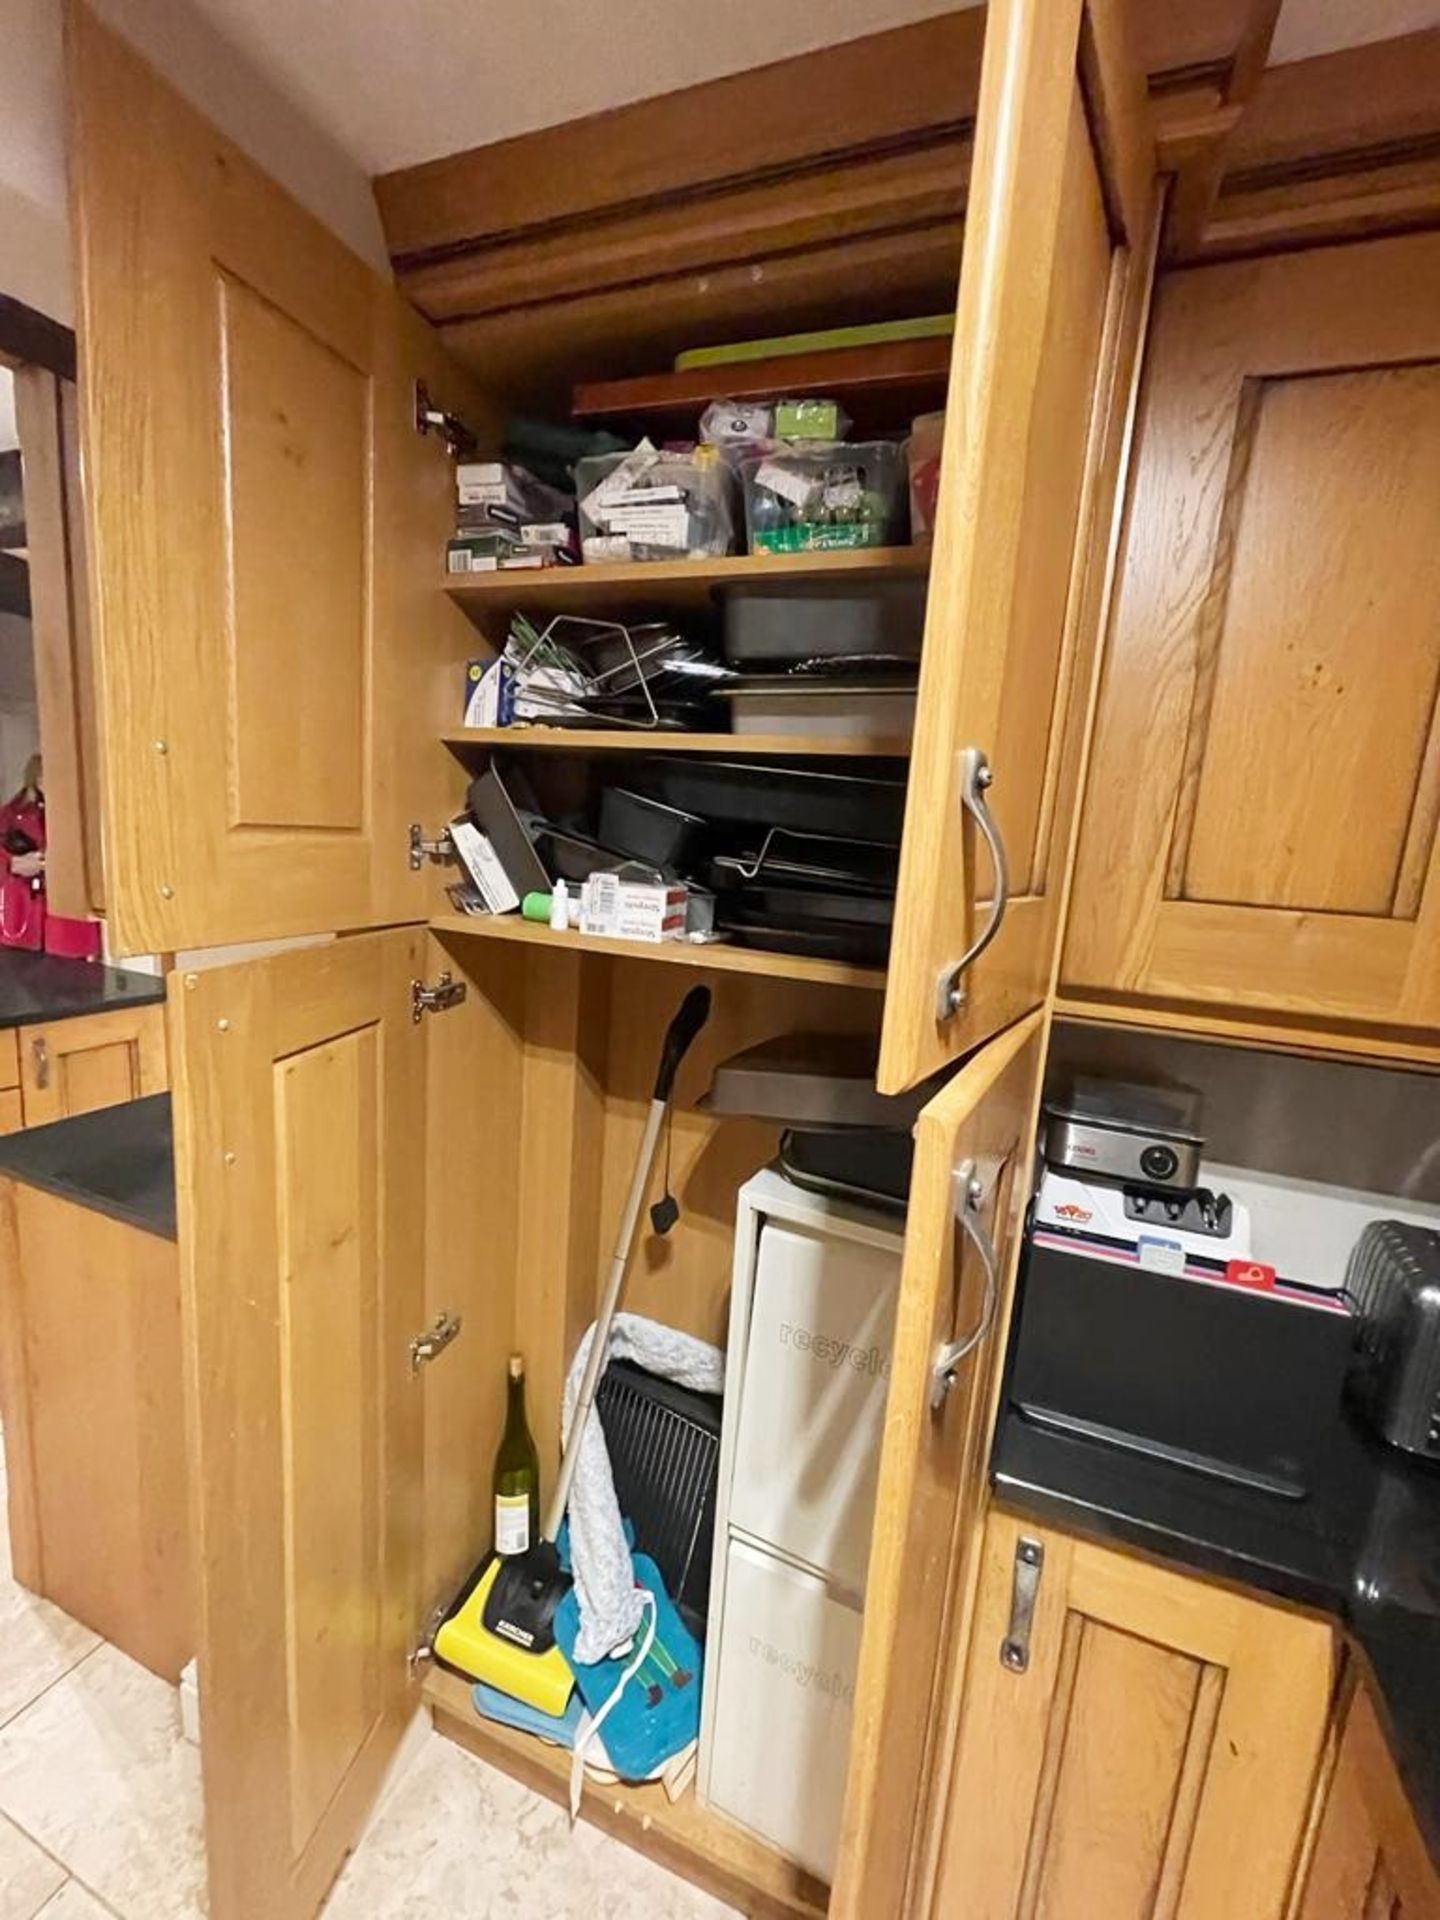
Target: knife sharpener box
{"type": "Point", "coordinates": [812, 1322]}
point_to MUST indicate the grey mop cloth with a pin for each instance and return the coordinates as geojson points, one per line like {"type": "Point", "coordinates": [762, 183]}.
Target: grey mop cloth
{"type": "Point", "coordinates": [610, 1605]}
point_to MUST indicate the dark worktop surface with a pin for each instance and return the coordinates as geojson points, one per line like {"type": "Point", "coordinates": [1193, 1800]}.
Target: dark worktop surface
{"type": "Point", "coordinates": [1363, 1546]}
{"type": "Point", "coordinates": [119, 1161]}
{"type": "Point", "coordinates": [35, 988]}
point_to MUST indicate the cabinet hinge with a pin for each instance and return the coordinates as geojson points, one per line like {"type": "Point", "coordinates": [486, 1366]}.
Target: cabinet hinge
{"type": "Point", "coordinates": [447, 992]}
{"type": "Point", "coordinates": [422, 1649]}
{"type": "Point", "coordinates": [459, 440]}
{"type": "Point", "coordinates": [441, 848]}
{"type": "Point", "coordinates": [426, 1346]}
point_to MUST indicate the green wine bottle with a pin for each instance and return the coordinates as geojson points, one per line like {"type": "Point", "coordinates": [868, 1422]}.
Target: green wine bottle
{"type": "Point", "coordinates": [517, 1473]}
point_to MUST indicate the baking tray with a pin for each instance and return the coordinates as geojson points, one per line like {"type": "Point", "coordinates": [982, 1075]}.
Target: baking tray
{"type": "Point", "coordinates": [837, 940]}
{"type": "Point", "coordinates": [743, 793]}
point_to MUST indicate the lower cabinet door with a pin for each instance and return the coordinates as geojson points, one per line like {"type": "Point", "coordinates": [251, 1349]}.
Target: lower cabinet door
{"type": "Point", "coordinates": [300, 1133]}
{"type": "Point", "coordinates": [973, 1145]}
{"type": "Point", "coordinates": [1369, 1861]}
{"type": "Point", "coordinates": [1134, 1744]}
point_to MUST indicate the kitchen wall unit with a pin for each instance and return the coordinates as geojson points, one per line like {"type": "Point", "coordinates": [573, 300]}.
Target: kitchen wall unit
{"type": "Point", "coordinates": [1142, 1743]}
{"type": "Point", "coordinates": [258, 491]}
{"type": "Point", "coordinates": [1259, 830]}
{"type": "Point", "coordinates": [245, 801]}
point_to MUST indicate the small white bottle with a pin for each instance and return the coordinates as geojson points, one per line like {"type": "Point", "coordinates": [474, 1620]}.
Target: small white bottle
{"type": "Point", "coordinates": [559, 907]}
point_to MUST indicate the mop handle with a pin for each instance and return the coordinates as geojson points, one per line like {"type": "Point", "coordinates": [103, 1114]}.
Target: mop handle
{"type": "Point", "coordinates": [693, 1013]}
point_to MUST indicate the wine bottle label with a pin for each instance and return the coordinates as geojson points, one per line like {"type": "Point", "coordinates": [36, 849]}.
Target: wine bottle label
{"type": "Point", "coordinates": [512, 1523]}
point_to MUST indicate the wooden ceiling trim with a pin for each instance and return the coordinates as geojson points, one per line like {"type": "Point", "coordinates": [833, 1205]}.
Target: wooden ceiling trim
{"type": "Point", "coordinates": [1327, 208]}
{"type": "Point", "coordinates": [704, 234]}
{"type": "Point", "coordinates": [1201, 161]}
{"type": "Point", "coordinates": [915, 84]}
{"type": "Point", "coordinates": [1365, 98]}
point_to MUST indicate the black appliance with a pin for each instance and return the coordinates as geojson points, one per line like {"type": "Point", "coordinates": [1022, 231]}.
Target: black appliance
{"type": "Point", "coordinates": [664, 1446]}
{"type": "Point", "coordinates": [1237, 1386]}
{"type": "Point", "coordinates": [1394, 1279]}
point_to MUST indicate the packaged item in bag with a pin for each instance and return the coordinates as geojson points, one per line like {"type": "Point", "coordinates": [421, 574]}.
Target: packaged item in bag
{"type": "Point", "coordinates": [801, 498]}
{"type": "Point", "coordinates": [649, 505]}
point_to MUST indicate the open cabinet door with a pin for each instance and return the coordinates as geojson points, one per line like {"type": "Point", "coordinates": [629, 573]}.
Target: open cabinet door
{"type": "Point", "coordinates": [265, 526]}
{"type": "Point", "coordinates": [973, 1147]}
{"type": "Point", "coordinates": [1058, 233]}
{"type": "Point", "coordinates": [300, 1109]}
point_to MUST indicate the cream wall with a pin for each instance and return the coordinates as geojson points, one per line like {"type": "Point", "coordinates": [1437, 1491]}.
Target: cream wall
{"type": "Point", "coordinates": [34, 242]}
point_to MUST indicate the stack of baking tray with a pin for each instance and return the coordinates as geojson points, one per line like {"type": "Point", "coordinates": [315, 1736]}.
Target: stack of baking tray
{"type": "Point", "coordinates": [800, 861]}
{"type": "Point", "coordinates": [830, 659]}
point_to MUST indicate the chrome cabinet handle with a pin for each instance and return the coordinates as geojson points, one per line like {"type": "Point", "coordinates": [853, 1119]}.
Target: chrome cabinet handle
{"type": "Point", "coordinates": [975, 781]}
{"type": "Point", "coordinates": [1024, 1591]}
{"type": "Point", "coordinates": [969, 1197]}
{"type": "Point", "coordinates": [40, 1054]}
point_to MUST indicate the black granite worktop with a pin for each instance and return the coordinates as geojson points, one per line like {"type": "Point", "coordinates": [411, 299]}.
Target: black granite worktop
{"type": "Point", "coordinates": [35, 988]}
{"type": "Point", "coordinates": [1363, 1545]}
{"type": "Point", "coordinates": [119, 1161]}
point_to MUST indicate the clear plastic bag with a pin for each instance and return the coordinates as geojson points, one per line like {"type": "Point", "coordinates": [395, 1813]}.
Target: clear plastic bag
{"type": "Point", "coordinates": [648, 505]}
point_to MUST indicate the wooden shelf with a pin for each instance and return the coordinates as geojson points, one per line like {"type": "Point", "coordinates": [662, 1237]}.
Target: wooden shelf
{"type": "Point", "coordinates": [718, 958]}
{"type": "Point", "coordinates": [682, 1835]}
{"type": "Point", "coordinates": [732, 746]}
{"type": "Point", "coordinates": [667, 583]}
{"type": "Point", "coordinates": [882, 385]}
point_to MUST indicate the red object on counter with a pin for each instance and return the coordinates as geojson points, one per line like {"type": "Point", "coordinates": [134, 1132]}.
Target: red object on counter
{"type": "Point", "coordinates": [1251, 1273]}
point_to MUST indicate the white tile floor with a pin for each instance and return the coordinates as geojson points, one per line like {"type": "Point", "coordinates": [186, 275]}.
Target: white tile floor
{"type": "Point", "coordinates": [100, 1809]}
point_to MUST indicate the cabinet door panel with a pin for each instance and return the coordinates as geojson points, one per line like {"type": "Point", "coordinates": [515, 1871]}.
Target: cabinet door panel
{"type": "Point", "coordinates": [1154, 1757]}
{"type": "Point", "coordinates": [300, 1107]}
{"type": "Point", "coordinates": [1260, 825]}
{"type": "Point", "coordinates": [251, 489]}
{"type": "Point", "coordinates": [1051, 288]}
{"type": "Point", "coordinates": [932, 1470]}
{"type": "Point", "coordinates": [1369, 1857]}
{"type": "Point", "coordinates": [95, 1060]}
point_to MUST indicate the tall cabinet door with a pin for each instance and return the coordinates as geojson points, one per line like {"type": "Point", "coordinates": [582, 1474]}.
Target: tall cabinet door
{"type": "Point", "coordinates": [253, 482]}
{"type": "Point", "coordinates": [1260, 822]}
{"type": "Point", "coordinates": [967, 1199]}
{"type": "Point", "coordinates": [1057, 257]}
{"type": "Point", "coordinates": [300, 1109]}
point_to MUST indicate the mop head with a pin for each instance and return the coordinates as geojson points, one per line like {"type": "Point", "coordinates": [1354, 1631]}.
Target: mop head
{"type": "Point", "coordinates": [655, 1714]}
{"type": "Point", "coordinates": [542, 1680]}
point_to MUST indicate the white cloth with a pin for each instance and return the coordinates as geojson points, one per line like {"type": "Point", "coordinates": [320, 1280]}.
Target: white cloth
{"type": "Point", "coordinates": [611, 1606]}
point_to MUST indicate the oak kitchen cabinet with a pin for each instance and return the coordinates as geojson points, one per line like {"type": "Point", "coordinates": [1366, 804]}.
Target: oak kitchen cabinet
{"type": "Point", "coordinates": [90, 1377]}
{"type": "Point", "coordinates": [1369, 1861]}
{"type": "Point", "coordinates": [326, 1132]}
{"type": "Point", "coordinates": [54, 1069]}
{"type": "Point", "coordinates": [1143, 1744]}
{"type": "Point", "coordinates": [1259, 828]}
{"type": "Point", "coordinates": [74, 1066]}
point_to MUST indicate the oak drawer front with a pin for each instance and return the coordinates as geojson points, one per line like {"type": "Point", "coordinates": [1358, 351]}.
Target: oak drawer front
{"type": "Point", "coordinates": [1260, 821]}
{"type": "Point", "coordinates": [9, 1058]}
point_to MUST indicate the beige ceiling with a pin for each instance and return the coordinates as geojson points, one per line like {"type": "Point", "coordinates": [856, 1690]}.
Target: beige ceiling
{"type": "Point", "coordinates": [396, 84]}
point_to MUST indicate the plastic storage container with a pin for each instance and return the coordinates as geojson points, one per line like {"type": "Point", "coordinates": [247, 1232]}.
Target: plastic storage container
{"type": "Point", "coordinates": [800, 498]}
{"type": "Point", "coordinates": [645, 505]}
